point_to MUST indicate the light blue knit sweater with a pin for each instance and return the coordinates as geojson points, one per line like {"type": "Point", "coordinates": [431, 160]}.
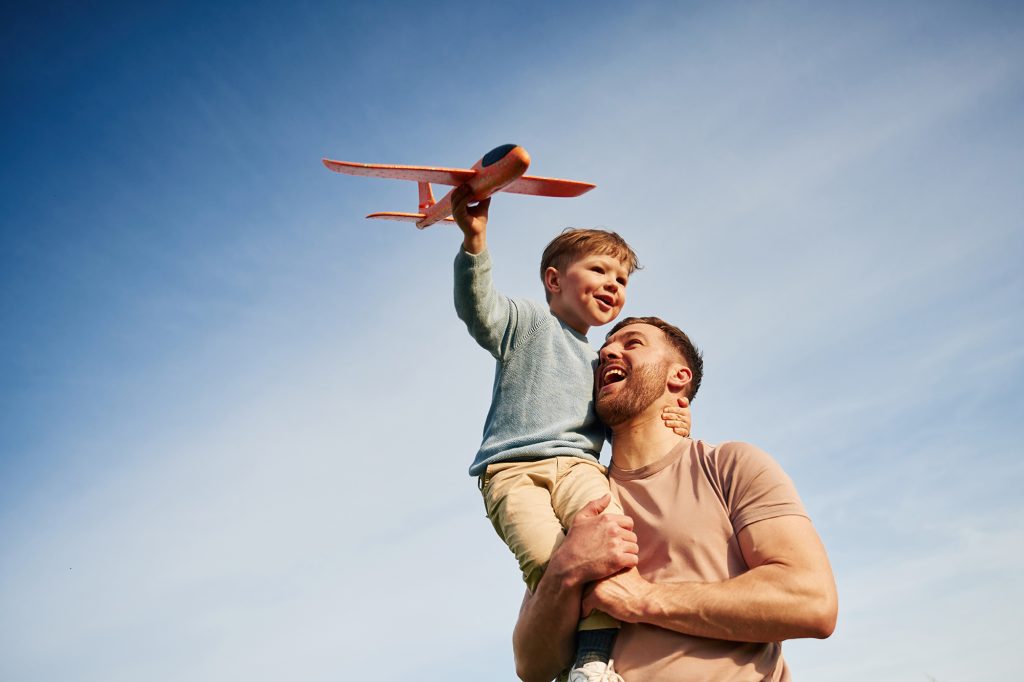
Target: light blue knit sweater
{"type": "Point", "coordinates": [542, 403]}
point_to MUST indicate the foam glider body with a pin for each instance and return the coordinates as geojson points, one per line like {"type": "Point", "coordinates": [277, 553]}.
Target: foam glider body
{"type": "Point", "coordinates": [500, 170]}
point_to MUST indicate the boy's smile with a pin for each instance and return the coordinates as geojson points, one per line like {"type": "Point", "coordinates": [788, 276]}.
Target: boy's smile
{"type": "Point", "coordinates": [591, 292]}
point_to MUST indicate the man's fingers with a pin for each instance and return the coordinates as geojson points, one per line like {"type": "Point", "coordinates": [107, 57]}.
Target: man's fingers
{"type": "Point", "coordinates": [587, 605]}
{"type": "Point", "coordinates": [594, 507]}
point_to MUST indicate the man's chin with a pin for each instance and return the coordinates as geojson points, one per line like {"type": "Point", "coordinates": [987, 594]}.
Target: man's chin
{"type": "Point", "coordinates": [613, 411]}
{"type": "Point", "coordinates": [622, 400]}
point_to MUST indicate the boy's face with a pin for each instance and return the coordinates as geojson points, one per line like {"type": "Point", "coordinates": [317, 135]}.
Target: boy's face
{"type": "Point", "coordinates": [590, 292]}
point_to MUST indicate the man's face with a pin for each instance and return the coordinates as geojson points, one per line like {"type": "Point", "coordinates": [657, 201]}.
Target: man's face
{"type": "Point", "coordinates": [631, 374]}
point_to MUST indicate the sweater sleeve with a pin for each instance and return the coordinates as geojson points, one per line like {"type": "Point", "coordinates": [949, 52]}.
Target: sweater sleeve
{"type": "Point", "coordinates": [495, 321]}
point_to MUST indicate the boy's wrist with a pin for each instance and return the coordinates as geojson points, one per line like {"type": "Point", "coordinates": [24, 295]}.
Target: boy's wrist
{"type": "Point", "coordinates": [474, 244]}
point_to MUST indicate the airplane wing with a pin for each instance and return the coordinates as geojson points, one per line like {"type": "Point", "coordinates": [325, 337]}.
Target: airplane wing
{"type": "Point", "coordinates": [440, 176]}
{"type": "Point", "coordinates": [548, 187]}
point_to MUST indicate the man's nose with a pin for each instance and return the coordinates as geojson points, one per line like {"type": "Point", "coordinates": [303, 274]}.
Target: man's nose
{"type": "Point", "coordinates": [609, 353]}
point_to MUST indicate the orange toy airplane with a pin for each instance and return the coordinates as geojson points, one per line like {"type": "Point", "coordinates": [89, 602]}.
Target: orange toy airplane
{"type": "Point", "coordinates": [500, 170]}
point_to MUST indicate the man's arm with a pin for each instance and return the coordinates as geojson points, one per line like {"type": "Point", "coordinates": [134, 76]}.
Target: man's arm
{"type": "Point", "coordinates": [597, 545]}
{"type": "Point", "coordinates": [788, 592]}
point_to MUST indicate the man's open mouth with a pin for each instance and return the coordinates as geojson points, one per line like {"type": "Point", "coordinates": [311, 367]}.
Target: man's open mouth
{"type": "Point", "coordinates": [613, 375]}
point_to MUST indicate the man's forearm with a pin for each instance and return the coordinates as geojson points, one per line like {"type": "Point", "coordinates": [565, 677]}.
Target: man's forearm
{"type": "Point", "coordinates": [596, 546]}
{"type": "Point", "coordinates": [766, 604]}
{"type": "Point", "coordinates": [789, 592]}
{"type": "Point", "coordinates": [544, 636]}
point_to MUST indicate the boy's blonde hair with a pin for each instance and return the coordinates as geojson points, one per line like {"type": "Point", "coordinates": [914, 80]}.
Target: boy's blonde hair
{"type": "Point", "coordinates": [575, 243]}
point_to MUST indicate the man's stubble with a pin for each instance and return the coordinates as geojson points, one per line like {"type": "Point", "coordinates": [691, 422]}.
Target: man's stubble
{"type": "Point", "coordinates": [644, 385]}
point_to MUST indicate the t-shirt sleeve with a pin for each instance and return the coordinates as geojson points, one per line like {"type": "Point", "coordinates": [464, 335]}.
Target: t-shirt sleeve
{"type": "Point", "coordinates": [755, 486]}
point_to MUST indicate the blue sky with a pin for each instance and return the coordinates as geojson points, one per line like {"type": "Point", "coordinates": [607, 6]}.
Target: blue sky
{"type": "Point", "coordinates": [235, 417]}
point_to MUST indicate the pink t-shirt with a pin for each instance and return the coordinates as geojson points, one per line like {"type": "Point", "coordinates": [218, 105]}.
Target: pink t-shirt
{"type": "Point", "coordinates": [687, 509]}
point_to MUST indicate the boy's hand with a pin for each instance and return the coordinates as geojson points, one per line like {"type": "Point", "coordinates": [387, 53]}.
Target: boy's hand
{"type": "Point", "coordinates": [678, 418]}
{"type": "Point", "coordinates": [472, 220]}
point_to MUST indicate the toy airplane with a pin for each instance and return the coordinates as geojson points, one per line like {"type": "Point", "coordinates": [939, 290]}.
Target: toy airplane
{"type": "Point", "coordinates": [500, 170]}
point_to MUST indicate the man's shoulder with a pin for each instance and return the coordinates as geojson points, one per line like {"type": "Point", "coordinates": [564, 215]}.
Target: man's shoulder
{"type": "Point", "coordinates": [733, 458]}
{"type": "Point", "coordinates": [752, 484]}
{"type": "Point", "coordinates": [734, 449]}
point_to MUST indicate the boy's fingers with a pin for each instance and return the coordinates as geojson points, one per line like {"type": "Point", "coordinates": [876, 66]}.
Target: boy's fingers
{"type": "Point", "coordinates": [481, 208]}
{"type": "Point", "coordinates": [459, 196]}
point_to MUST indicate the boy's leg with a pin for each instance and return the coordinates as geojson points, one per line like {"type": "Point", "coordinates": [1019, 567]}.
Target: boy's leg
{"type": "Point", "coordinates": [517, 496]}
{"type": "Point", "coordinates": [580, 482]}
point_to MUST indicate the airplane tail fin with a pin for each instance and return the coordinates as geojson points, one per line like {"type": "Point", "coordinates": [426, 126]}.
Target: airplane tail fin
{"type": "Point", "coordinates": [426, 202]}
{"type": "Point", "coordinates": [426, 196]}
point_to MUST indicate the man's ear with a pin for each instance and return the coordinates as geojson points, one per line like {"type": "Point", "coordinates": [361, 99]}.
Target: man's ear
{"type": "Point", "coordinates": [552, 281]}
{"type": "Point", "coordinates": [680, 378]}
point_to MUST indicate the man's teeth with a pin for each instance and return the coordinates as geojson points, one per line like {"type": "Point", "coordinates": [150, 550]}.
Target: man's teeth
{"type": "Point", "coordinates": [614, 375]}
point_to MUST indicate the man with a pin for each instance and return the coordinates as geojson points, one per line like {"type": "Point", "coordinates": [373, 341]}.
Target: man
{"type": "Point", "coordinates": [715, 561]}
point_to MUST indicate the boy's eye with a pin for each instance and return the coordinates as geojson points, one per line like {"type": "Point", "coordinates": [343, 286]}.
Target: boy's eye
{"type": "Point", "coordinates": [598, 269]}
{"type": "Point", "coordinates": [622, 281]}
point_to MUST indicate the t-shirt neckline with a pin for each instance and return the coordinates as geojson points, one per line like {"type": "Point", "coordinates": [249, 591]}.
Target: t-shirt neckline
{"type": "Point", "coordinates": [648, 469]}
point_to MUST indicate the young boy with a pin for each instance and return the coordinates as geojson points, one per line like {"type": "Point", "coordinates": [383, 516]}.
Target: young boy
{"type": "Point", "coordinates": [538, 462]}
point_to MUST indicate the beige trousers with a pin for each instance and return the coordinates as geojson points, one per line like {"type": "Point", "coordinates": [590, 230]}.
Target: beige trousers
{"type": "Point", "coordinates": [531, 504]}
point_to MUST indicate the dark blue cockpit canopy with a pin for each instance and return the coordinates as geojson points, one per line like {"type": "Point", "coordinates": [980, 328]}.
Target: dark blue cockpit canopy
{"type": "Point", "coordinates": [497, 154]}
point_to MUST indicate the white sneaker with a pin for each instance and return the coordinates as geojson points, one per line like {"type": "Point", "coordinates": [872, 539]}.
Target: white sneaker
{"type": "Point", "coordinates": [595, 671]}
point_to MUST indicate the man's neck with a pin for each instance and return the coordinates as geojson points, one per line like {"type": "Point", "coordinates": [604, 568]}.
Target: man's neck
{"type": "Point", "coordinates": [642, 440]}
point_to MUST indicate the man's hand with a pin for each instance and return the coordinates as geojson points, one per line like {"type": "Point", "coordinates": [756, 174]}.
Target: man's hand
{"type": "Point", "coordinates": [472, 220]}
{"type": "Point", "coordinates": [678, 418]}
{"type": "Point", "coordinates": [597, 546]}
{"type": "Point", "coordinates": [621, 596]}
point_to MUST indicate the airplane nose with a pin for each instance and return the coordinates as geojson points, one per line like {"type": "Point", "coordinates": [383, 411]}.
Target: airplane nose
{"type": "Point", "coordinates": [497, 154]}
{"type": "Point", "coordinates": [512, 154]}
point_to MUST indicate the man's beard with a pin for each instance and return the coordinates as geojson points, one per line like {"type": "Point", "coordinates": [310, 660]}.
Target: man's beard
{"type": "Point", "coordinates": [645, 385]}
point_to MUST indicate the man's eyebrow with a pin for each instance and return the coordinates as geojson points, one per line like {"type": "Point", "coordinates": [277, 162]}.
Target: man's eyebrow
{"type": "Point", "coordinates": [626, 335]}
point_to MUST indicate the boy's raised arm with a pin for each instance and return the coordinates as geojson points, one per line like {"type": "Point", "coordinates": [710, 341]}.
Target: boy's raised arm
{"type": "Point", "coordinates": [472, 220]}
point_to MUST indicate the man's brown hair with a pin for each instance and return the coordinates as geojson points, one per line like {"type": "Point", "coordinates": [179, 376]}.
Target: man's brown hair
{"type": "Point", "coordinates": [680, 342]}
{"type": "Point", "coordinates": [575, 243]}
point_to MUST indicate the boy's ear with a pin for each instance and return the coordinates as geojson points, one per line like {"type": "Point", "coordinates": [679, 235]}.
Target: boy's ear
{"type": "Point", "coordinates": [679, 377]}
{"type": "Point", "coordinates": [552, 282]}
